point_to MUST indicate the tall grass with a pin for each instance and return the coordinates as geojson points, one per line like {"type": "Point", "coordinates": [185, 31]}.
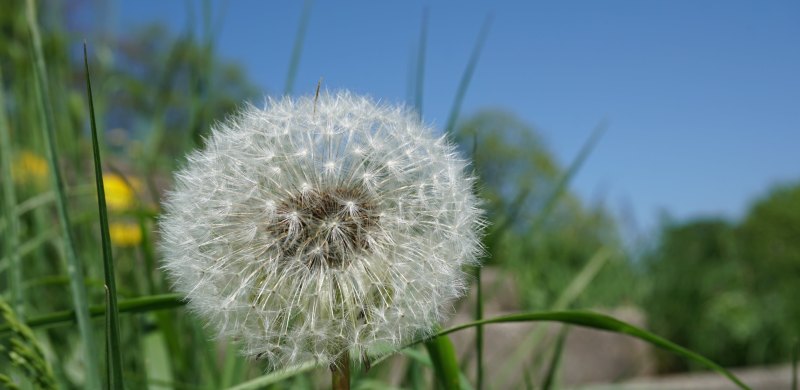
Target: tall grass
{"type": "Point", "coordinates": [75, 268]}
{"type": "Point", "coordinates": [57, 235]}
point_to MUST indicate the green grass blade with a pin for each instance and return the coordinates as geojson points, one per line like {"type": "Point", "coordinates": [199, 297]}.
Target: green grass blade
{"type": "Point", "coordinates": [575, 287]}
{"type": "Point", "coordinates": [425, 360]}
{"type": "Point", "coordinates": [586, 275]}
{"type": "Point", "coordinates": [373, 384]}
{"type": "Point", "coordinates": [552, 368]}
{"type": "Point", "coordinates": [34, 202]}
{"type": "Point", "coordinates": [113, 352]}
{"type": "Point", "coordinates": [12, 223]}
{"type": "Point", "coordinates": [176, 57]}
{"type": "Point", "coordinates": [467, 76]}
{"type": "Point", "coordinates": [795, 352]}
{"type": "Point", "coordinates": [158, 362]}
{"type": "Point", "coordinates": [602, 322]}
{"type": "Point", "coordinates": [152, 279]}
{"type": "Point", "coordinates": [419, 79]}
{"type": "Point", "coordinates": [74, 266]}
{"type": "Point", "coordinates": [42, 238]}
{"type": "Point", "coordinates": [479, 330]}
{"type": "Point", "coordinates": [582, 280]}
{"type": "Point", "coordinates": [233, 367]}
{"type": "Point", "coordinates": [414, 376]}
{"type": "Point", "coordinates": [200, 79]}
{"type": "Point", "coordinates": [36, 242]}
{"type": "Point", "coordinates": [551, 201]}
{"type": "Point", "coordinates": [205, 356]}
{"type": "Point", "coordinates": [527, 381]}
{"type": "Point", "coordinates": [165, 320]}
{"type": "Point", "coordinates": [275, 377]}
{"type": "Point", "coordinates": [565, 179]}
{"type": "Point", "coordinates": [445, 363]}
{"type": "Point", "coordinates": [134, 305]}
{"type": "Point", "coordinates": [45, 198]}
{"type": "Point", "coordinates": [478, 301]}
{"type": "Point", "coordinates": [499, 230]}
{"type": "Point", "coordinates": [297, 49]}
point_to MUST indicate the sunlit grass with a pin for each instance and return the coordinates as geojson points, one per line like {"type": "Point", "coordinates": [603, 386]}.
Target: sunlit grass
{"type": "Point", "coordinates": [81, 269]}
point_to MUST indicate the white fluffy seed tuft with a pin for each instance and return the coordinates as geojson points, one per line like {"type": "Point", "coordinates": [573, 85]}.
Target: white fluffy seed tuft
{"type": "Point", "coordinates": [319, 226]}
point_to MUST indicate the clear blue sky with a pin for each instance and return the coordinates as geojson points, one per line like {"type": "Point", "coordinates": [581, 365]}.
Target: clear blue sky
{"type": "Point", "coordinates": [703, 97]}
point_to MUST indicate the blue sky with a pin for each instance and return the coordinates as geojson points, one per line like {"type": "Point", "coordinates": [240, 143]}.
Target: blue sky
{"type": "Point", "coordinates": [702, 97]}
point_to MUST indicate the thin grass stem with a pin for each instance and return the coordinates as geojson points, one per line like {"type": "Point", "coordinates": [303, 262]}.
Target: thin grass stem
{"type": "Point", "coordinates": [479, 330]}
{"type": "Point", "coordinates": [114, 354]}
{"type": "Point", "coordinates": [552, 368]}
{"type": "Point", "coordinates": [297, 48]}
{"type": "Point", "coordinates": [420, 72]}
{"type": "Point", "coordinates": [466, 78]}
{"type": "Point", "coordinates": [74, 266]}
{"type": "Point", "coordinates": [12, 223]}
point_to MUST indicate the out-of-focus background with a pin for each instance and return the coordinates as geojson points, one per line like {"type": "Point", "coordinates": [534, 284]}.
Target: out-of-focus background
{"type": "Point", "coordinates": [638, 159]}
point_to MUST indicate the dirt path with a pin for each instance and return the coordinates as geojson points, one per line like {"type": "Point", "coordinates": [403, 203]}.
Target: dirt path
{"type": "Point", "coordinates": [763, 378]}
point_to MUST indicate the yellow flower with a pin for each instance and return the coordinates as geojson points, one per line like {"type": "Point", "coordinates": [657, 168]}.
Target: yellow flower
{"type": "Point", "coordinates": [29, 168]}
{"type": "Point", "coordinates": [125, 234]}
{"type": "Point", "coordinates": [120, 194]}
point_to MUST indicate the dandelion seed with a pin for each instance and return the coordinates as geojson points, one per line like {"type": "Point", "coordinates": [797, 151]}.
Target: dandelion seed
{"type": "Point", "coordinates": [350, 238]}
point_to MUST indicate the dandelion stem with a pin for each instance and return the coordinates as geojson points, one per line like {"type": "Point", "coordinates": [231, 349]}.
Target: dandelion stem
{"type": "Point", "coordinates": [340, 372]}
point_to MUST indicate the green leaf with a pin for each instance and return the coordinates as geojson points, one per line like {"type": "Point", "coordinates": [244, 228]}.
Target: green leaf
{"type": "Point", "coordinates": [445, 362]}
{"type": "Point", "coordinates": [113, 353]}
{"type": "Point", "coordinates": [602, 322]}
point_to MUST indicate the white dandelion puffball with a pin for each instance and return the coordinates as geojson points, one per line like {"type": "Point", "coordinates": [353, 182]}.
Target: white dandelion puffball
{"type": "Point", "coordinates": [320, 226]}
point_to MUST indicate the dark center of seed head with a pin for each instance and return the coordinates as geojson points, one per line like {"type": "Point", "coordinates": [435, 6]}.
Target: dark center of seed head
{"type": "Point", "coordinates": [326, 226]}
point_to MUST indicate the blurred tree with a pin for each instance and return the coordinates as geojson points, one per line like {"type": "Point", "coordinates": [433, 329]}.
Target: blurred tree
{"type": "Point", "coordinates": [169, 89]}
{"type": "Point", "coordinates": [153, 89]}
{"type": "Point", "coordinates": [517, 171]}
{"type": "Point", "coordinates": [692, 266]}
{"type": "Point", "coordinates": [544, 243]}
{"type": "Point", "coordinates": [729, 291]}
{"type": "Point", "coordinates": [770, 251]}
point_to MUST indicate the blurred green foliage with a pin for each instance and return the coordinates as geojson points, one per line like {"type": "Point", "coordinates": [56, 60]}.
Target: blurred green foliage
{"type": "Point", "coordinates": [729, 290]}
{"type": "Point", "coordinates": [154, 102]}
{"type": "Point", "coordinates": [154, 87]}
{"type": "Point", "coordinates": [543, 243]}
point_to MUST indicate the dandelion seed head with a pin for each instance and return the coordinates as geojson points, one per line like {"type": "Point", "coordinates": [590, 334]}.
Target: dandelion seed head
{"type": "Point", "coordinates": [318, 226]}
